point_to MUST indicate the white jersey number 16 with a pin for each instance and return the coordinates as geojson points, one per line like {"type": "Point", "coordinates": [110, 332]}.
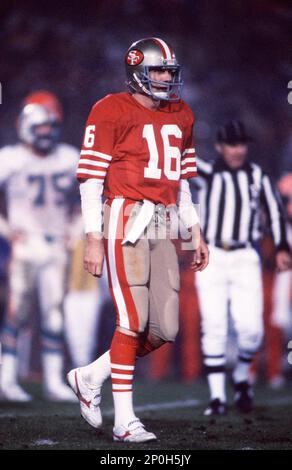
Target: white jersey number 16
{"type": "Point", "coordinates": [170, 152]}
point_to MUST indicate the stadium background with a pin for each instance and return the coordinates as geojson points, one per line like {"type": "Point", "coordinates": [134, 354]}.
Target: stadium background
{"type": "Point", "coordinates": [236, 59]}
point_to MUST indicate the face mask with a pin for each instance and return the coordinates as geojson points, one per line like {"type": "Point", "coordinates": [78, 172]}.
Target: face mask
{"type": "Point", "coordinates": [45, 143]}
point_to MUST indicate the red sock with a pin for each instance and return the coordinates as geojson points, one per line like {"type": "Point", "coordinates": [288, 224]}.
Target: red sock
{"type": "Point", "coordinates": [123, 357]}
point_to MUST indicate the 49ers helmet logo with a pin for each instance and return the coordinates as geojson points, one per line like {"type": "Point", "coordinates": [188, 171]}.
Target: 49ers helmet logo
{"type": "Point", "coordinates": [134, 57]}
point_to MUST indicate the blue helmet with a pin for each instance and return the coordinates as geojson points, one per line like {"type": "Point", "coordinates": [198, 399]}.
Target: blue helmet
{"type": "Point", "coordinates": [30, 119]}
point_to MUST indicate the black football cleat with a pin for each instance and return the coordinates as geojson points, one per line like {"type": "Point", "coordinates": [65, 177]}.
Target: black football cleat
{"type": "Point", "coordinates": [243, 397]}
{"type": "Point", "coordinates": [216, 407]}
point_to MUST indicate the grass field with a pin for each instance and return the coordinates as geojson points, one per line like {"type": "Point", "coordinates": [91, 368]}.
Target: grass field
{"type": "Point", "coordinates": [173, 411]}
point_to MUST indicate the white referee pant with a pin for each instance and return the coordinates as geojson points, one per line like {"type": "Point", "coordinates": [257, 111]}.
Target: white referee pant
{"type": "Point", "coordinates": [231, 283]}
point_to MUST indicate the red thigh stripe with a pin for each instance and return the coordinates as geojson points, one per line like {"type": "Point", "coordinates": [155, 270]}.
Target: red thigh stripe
{"type": "Point", "coordinates": [127, 315]}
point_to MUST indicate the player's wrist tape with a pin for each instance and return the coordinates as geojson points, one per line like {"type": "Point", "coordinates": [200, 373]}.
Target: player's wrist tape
{"type": "Point", "coordinates": [91, 205]}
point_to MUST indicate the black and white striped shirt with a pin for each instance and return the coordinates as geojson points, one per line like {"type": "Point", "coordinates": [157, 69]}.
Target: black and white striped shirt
{"type": "Point", "coordinates": [231, 203]}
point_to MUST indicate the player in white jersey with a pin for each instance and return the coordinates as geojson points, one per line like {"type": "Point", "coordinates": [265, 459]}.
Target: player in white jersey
{"type": "Point", "coordinates": [37, 175]}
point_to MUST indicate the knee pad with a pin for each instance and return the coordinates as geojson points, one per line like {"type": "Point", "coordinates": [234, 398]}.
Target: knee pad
{"type": "Point", "coordinates": [168, 326]}
{"type": "Point", "coordinates": [165, 308]}
{"type": "Point", "coordinates": [169, 330]}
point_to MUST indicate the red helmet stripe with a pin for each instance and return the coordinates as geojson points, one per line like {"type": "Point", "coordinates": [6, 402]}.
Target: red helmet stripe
{"type": "Point", "coordinates": [167, 53]}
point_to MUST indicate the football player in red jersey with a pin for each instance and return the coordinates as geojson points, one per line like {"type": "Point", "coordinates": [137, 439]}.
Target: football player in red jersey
{"type": "Point", "coordinates": [138, 152]}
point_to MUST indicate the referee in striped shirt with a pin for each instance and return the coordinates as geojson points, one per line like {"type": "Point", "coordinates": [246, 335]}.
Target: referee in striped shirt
{"type": "Point", "coordinates": [233, 194]}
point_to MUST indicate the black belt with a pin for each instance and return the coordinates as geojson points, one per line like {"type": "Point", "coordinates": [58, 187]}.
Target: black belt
{"type": "Point", "coordinates": [231, 247]}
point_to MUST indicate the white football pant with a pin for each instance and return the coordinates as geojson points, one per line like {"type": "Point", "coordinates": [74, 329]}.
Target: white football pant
{"type": "Point", "coordinates": [232, 283]}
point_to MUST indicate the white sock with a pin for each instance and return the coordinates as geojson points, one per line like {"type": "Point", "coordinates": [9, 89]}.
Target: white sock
{"type": "Point", "coordinates": [96, 373]}
{"type": "Point", "coordinates": [122, 388]}
{"type": "Point", "coordinates": [216, 381]}
{"type": "Point", "coordinates": [124, 412]}
{"type": "Point", "coordinates": [53, 369]}
{"type": "Point", "coordinates": [24, 351]}
{"type": "Point", "coordinates": [241, 371]}
{"type": "Point", "coordinates": [9, 369]}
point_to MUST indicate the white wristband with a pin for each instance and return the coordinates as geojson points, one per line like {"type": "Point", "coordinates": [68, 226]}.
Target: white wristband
{"type": "Point", "coordinates": [91, 204]}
